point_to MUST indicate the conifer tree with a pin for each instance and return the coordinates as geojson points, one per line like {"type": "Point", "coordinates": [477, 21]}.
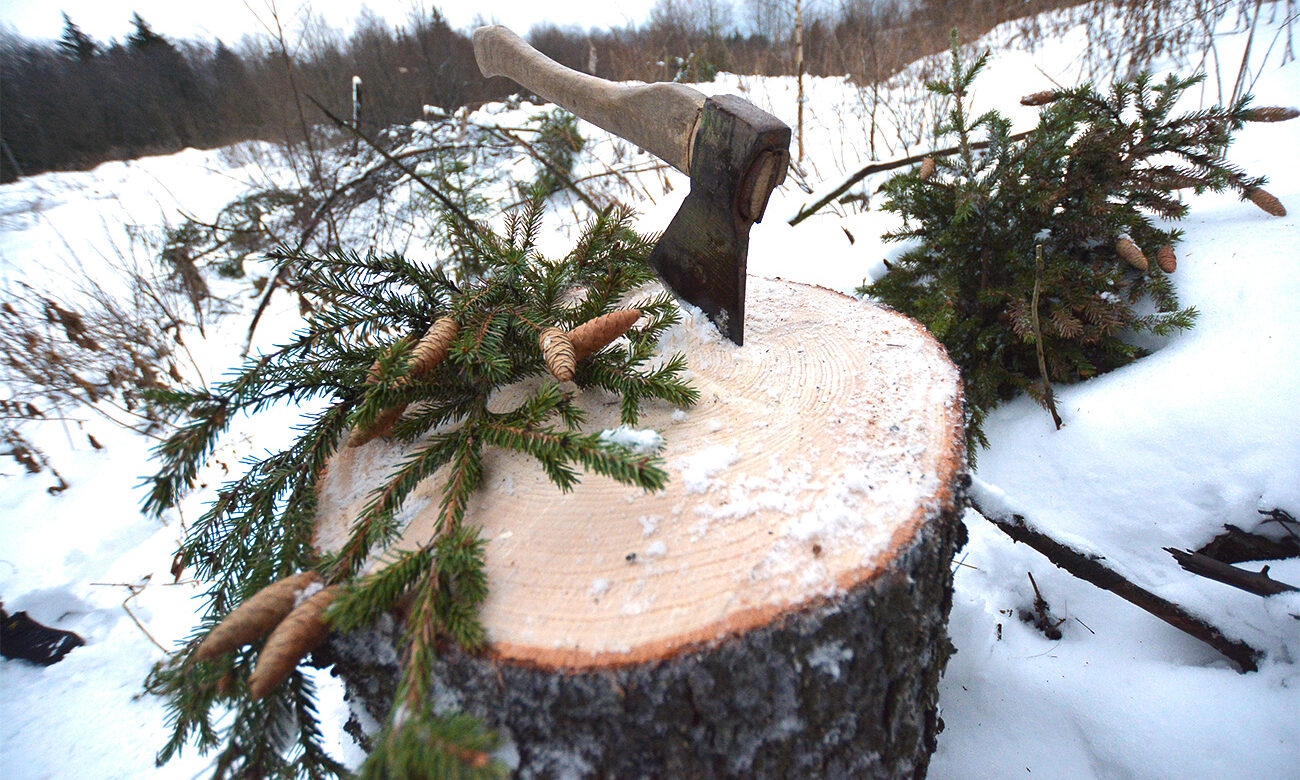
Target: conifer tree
{"type": "Point", "coordinates": [1030, 262]}
{"type": "Point", "coordinates": [75, 43]}
{"type": "Point", "coordinates": [143, 37]}
{"type": "Point", "coordinates": [361, 350]}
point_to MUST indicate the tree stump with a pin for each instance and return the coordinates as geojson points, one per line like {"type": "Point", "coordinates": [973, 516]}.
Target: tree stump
{"type": "Point", "coordinates": [780, 610]}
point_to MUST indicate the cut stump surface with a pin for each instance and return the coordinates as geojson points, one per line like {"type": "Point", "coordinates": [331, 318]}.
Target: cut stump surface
{"type": "Point", "coordinates": [781, 607]}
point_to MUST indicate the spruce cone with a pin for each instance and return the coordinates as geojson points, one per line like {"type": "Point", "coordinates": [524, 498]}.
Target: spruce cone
{"type": "Point", "coordinates": [1040, 98]}
{"type": "Point", "coordinates": [927, 169]}
{"type": "Point", "coordinates": [1270, 114]}
{"type": "Point", "coordinates": [383, 426]}
{"type": "Point", "coordinates": [225, 685]}
{"type": "Point", "coordinates": [1130, 253]}
{"type": "Point", "coordinates": [1266, 201]}
{"type": "Point", "coordinates": [1166, 259]}
{"type": "Point", "coordinates": [298, 634]}
{"type": "Point", "coordinates": [256, 617]}
{"type": "Point", "coordinates": [557, 350]}
{"type": "Point", "coordinates": [434, 346]}
{"type": "Point", "coordinates": [429, 351]}
{"type": "Point", "coordinates": [594, 335]}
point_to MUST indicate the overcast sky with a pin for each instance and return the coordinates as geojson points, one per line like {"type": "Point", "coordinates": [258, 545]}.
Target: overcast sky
{"type": "Point", "coordinates": [231, 19]}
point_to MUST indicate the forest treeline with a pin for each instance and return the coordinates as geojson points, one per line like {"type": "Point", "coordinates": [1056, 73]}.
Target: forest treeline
{"type": "Point", "coordinates": [76, 102]}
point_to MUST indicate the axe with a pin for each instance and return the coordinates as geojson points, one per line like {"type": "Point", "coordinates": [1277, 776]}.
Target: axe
{"type": "Point", "coordinates": [734, 152]}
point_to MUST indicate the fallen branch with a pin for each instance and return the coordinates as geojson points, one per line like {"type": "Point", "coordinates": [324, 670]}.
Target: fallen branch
{"type": "Point", "coordinates": [1091, 569]}
{"type": "Point", "coordinates": [563, 176]}
{"type": "Point", "coordinates": [401, 166]}
{"type": "Point", "coordinates": [1257, 582]}
{"type": "Point", "coordinates": [808, 211]}
{"type": "Point", "coordinates": [1235, 545]}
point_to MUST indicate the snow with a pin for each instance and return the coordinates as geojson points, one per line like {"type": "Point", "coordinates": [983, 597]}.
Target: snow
{"type": "Point", "coordinates": [828, 657]}
{"type": "Point", "coordinates": [1203, 432]}
{"type": "Point", "coordinates": [697, 471]}
{"type": "Point", "coordinates": [642, 442]}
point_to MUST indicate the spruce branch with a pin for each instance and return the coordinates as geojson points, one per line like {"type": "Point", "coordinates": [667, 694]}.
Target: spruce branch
{"type": "Point", "coordinates": [360, 353]}
{"type": "Point", "coordinates": [426, 746]}
{"type": "Point", "coordinates": [1097, 167]}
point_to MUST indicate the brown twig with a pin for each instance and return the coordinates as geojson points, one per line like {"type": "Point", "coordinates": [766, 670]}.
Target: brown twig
{"type": "Point", "coordinates": [1038, 338]}
{"type": "Point", "coordinates": [1042, 615]}
{"type": "Point", "coordinates": [1091, 569]}
{"type": "Point", "coordinates": [403, 167]}
{"type": "Point", "coordinates": [808, 211]}
{"type": "Point", "coordinates": [563, 176]}
{"type": "Point", "coordinates": [136, 590]}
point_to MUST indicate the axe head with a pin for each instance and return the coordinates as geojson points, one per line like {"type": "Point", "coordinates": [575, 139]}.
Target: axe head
{"type": "Point", "coordinates": [739, 154]}
{"type": "Point", "coordinates": [734, 152]}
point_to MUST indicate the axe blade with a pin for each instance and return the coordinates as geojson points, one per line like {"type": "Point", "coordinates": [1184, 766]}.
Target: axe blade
{"type": "Point", "coordinates": [734, 152]}
{"type": "Point", "coordinates": [739, 156]}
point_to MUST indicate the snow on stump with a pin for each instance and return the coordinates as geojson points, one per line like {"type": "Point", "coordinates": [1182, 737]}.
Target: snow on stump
{"type": "Point", "coordinates": [780, 610]}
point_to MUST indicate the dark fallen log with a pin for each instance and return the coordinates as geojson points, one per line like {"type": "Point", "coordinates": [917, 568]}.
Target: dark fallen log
{"type": "Point", "coordinates": [23, 638]}
{"type": "Point", "coordinates": [1091, 569]}
{"type": "Point", "coordinates": [1257, 582]}
{"type": "Point", "coordinates": [1235, 545]}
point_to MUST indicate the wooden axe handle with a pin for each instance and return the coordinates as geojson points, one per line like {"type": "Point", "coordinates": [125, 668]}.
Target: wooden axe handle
{"type": "Point", "coordinates": [660, 118]}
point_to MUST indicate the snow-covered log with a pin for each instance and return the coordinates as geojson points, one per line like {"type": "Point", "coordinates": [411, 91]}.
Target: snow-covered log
{"type": "Point", "coordinates": [778, 611]}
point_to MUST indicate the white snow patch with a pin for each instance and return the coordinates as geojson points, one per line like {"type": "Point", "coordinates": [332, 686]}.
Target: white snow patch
{"type": "Point", "coordinates": [642, 442]}
{"type": "Point", "coordinates": [697, 471]}
{"type": "Point", "coordinates": [311, 590]}
{"type": "Point", "coordinates": [828, 657]}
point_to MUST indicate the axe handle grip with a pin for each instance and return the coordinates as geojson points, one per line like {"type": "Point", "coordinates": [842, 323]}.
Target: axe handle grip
{"type": "Point", "coordinates": [660, 118]}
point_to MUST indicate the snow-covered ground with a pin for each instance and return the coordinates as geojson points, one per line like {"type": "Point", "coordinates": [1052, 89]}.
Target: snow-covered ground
{"type": "Point", "coordinates": [1205, 431]}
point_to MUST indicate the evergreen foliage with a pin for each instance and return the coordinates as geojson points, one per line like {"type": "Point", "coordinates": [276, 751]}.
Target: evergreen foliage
{"type": "Point", "coordinates": [143, 37]}
{"type": "Point", "coordinates": [1015, 265]}
{"type": "Point", "coordinates": [558, 143]}
{"type": "Point", "coordinates": [354, 354]}
{"type": "Point", "coordinates": [75, 43]}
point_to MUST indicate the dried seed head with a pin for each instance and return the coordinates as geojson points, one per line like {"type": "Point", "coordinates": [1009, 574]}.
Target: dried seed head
{"type": "Point", "coordinates": [433, 346]}
{"type": "Point", "coordinates": [256, 617]}
{"type": "Point", "coordinates": [927, 169]}
{"type": "Point", "coordinates": [1270, 114]}
{"type": "Point", "coordinates": [1130, 253]}
{"type": "Point", "coordinates": [1266, 201]}
{"type": "Point", "coordinates": [594, 335]}
{"type": "Point", "coordinates": [557, 351]}
{"type": "Point", "coordinates": [1040, 98]}
{"type": "Point", "coordinates": [1166, 259]}
{"type": "Point", "coordinates": [298, 634]}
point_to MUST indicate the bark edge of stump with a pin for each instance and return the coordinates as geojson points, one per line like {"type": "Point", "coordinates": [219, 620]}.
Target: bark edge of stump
{"type": "Point", "coordinates": [836, 684]}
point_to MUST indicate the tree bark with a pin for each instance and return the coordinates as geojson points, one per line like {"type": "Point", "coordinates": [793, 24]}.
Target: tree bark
{"type": "Point", "coordinates": [778, 611]}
